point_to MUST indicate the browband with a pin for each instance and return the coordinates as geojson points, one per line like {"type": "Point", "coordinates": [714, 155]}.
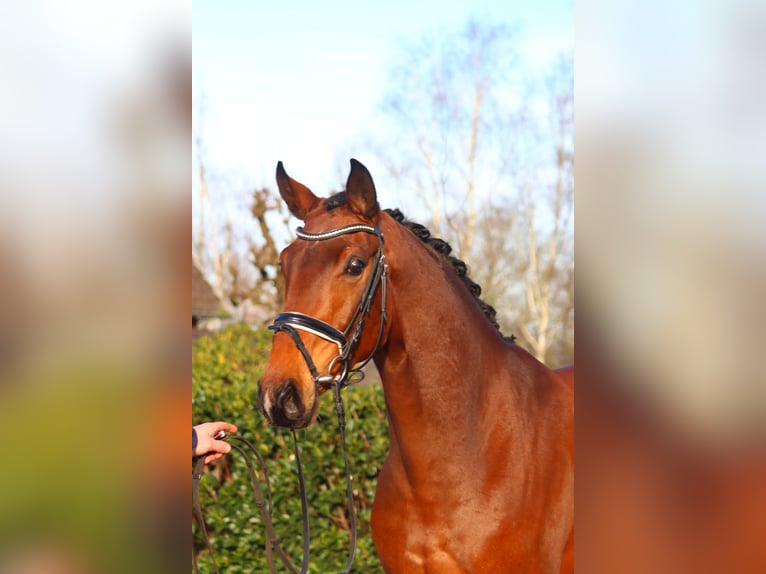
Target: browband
{"type": "Point", "coordinates": [337, 232]}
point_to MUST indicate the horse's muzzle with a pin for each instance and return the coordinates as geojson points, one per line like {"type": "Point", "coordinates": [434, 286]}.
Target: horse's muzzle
{"type": "Point", "coordinates": [284, 406]}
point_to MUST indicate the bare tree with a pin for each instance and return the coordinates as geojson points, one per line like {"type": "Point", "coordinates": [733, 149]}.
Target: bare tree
{"type": "Point", "coordinates": [205, 251]}
{"type": "Point", "coordinates": [490, 153]}
{"type": "Point", "coordinates": [240, 256]}
{"type": "Point", "coordinates": [269, 284]}
{"type": "Point", "coordinates": [546, 262]}
{"type": "Point", "coordinates": [442, 104]}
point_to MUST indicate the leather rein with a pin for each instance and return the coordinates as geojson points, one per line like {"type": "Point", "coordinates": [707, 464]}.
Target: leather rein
{"type": "Point", "coordinates": [346, 340]}
{"type": "Point", "coordinates": [262, 501]}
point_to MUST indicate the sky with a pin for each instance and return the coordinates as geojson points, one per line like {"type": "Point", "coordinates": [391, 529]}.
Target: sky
{"type": "Point", "coordinates": [297, 81]}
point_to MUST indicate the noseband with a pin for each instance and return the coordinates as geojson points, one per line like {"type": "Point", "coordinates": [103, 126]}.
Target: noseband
{"type": "Point", "coordinates": [346, 340]}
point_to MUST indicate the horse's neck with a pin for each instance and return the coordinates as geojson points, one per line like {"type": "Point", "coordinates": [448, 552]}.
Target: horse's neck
{"type": "Point", "coordinates": [442, 361]}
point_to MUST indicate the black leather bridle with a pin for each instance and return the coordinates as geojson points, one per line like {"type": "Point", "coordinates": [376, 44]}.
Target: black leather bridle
{"type": "Point", "coordinates": [346, 340]}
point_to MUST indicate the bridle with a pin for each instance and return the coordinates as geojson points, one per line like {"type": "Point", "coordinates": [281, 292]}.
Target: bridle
{"type": "Point", "coordinates": [346, 340]}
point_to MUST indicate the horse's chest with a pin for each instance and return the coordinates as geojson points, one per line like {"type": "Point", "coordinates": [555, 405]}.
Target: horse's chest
{"type": "Point", "coordinates": [457, 530]}
{"type": "Point", "coordinates": [411, 545]}
{"type": "Point", "coordinates": [422, 547]}
{"type": "Point", "coordinates": [420, 536]}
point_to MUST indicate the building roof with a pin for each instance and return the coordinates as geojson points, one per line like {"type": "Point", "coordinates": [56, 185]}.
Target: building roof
{"type": "Point", "coordinates": [205, 303]}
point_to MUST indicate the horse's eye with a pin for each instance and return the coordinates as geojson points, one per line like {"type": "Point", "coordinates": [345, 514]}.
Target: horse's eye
{"type": "Point", "coordinates": [355, 266]}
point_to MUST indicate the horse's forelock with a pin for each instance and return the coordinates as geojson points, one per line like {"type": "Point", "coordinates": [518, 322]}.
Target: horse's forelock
{"type": "Point", "coordinates": [335, 201]}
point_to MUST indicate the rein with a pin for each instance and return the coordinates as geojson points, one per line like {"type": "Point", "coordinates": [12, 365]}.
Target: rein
{"type": "Point", "coordinates": [346, 341]}
{"type": "Point", "coordinates": [264, 502]}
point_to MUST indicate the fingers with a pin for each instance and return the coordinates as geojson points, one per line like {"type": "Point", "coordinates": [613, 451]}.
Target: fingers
{"type": "Point", "coordinates": [211, 457]}
{"type": "Point", "coordinates": [219, 446]}
{"type": "Point", "coordinates": [208, 446]}
{"type": "Point", "coordinates": [216, 449]}
{"type": "Point", "coordinates": [211, 429]}
{"type": "Point", "coordinates": [221, 426]}
{"type": "Point", "coordinates": [228, 427]}
{"type": "Point", "coordinates": [211, 445]}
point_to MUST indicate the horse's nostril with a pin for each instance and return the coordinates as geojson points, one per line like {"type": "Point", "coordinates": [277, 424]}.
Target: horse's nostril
{"type": "Point", "coordinates": [291, 409]}
{"type": "Point", "coordinates": [288, 405]}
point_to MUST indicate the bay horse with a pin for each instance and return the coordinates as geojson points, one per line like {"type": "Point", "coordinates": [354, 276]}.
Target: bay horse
{"type": "Point", "coordinates": [479, 475]}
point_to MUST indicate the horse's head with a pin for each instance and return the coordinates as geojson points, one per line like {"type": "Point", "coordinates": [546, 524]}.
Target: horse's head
{"type": "Point", "coordinates": [335, 276]}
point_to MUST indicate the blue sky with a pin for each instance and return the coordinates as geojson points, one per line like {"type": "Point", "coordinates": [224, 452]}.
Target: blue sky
{"type": "Point", "coordinates": [297, 80]}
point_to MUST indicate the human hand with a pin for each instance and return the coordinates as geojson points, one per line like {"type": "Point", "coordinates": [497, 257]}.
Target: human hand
{"type": "Point", "coordinates": [208, 444]}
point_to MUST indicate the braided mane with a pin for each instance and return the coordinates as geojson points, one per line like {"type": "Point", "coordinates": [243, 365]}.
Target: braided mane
{"type": "Point", "coordinates": [442, 248]}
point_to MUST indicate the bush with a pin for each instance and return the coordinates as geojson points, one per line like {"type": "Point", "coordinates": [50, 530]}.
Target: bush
{"type": "Point", "coordinates": [225, 370]}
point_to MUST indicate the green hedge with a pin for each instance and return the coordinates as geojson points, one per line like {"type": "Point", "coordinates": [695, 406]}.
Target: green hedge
{"type": "Point", "coordinates": [225, 370]}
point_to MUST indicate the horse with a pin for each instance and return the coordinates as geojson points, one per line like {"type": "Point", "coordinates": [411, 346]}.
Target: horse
{"type": "Point", "coordinates": [479, 476]}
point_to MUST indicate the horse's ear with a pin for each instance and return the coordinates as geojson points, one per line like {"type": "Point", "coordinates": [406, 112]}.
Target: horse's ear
{"type": "Point", "coordinates": [299, 198]}
{"type": "Point", "coordinates": [360, 191]}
